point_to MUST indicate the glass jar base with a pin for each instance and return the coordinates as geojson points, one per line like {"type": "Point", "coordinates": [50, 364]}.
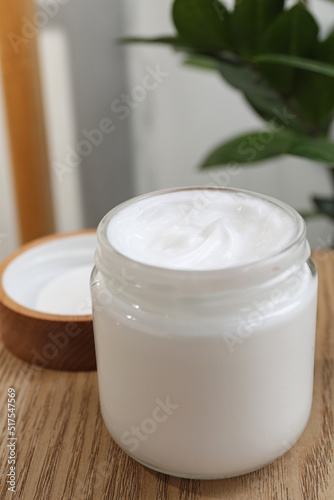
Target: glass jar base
{"type": "Point", "coordinates": [204, 476]}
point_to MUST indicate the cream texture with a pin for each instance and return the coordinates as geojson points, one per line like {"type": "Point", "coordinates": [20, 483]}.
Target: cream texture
{"type": "Point", "coordinates": [67, 294]}
{"type": "Point", "coordinates": [53, 277]}
{"type": "Point", "coordinates": [201, 229]}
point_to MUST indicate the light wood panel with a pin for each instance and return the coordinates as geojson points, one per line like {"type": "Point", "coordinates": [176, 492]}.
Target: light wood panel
{"type": "Point", "coordinates": [65, 451]}
{"type": "Point", "coordinates": [23, 100]}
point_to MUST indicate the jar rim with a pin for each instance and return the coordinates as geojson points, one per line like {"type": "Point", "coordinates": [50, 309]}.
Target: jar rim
{"type": "Point", "coordinates": [295, 253]}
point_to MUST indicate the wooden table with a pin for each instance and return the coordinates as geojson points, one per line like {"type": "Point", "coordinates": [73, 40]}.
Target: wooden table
{"type": "Point", "coordinates": [65, 452]}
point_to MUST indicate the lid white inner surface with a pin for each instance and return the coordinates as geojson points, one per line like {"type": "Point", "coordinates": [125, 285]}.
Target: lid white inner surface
{"type": "Point", "coordinates": [53, 277]}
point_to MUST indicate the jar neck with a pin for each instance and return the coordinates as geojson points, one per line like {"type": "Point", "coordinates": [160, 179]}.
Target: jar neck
{"type": "Point", "coordinates": [138, 299]}
{"type": "Point", "coordinates": [133, 279]}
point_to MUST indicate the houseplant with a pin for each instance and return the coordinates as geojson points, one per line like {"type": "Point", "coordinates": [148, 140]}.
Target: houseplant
{"type": "Point", "coordinates": [273, 55]}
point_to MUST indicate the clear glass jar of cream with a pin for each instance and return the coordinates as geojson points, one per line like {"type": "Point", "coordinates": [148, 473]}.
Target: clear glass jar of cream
{"type": "Point", "coordinates": [204, 308]}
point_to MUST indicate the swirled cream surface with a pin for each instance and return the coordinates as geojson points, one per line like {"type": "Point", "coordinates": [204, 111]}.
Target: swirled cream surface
{"type": "Point", "coordinates": [201, 229]}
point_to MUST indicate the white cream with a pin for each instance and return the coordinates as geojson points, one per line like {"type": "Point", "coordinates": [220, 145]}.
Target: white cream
{"type": "Point", "coordinates": [201, 229]}
{"type": "Point", "coordinates": [215, 378]}
{"type": "Point", "coordinates": [53, 277]}
{"type": "Point", "coordinates": [67, 294]}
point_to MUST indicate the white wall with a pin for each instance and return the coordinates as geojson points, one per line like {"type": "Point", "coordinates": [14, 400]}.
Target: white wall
{"type": "Point", "coordinates": [97, 67]}
{"type": "Point", "coordinates": [57, 87]}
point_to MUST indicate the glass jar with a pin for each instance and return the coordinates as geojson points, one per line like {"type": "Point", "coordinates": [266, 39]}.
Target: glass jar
{"type": "Point", "coordinates": [205, 374]}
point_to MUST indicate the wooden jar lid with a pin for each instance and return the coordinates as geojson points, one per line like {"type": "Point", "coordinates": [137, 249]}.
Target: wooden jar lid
{"type": "Point", "coordinates": [45, 305]}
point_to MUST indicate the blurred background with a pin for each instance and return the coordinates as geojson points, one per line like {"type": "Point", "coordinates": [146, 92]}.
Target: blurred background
{"type": "Point", "coordinates": [122, 121]}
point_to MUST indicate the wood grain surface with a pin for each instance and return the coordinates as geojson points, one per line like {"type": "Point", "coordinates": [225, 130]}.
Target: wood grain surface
{"type": "Point", "coordinates": [65, 452]}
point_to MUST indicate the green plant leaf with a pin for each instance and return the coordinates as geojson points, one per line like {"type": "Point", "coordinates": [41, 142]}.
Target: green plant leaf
{"type": "Point", "coordinates": [325, 205]}
{"type": "Point", "coordinates": [202, 61]}
{"type": "Point", "coordinates": [319, 67]}
{"type": "Point", "coordinates": [314, 92]}
{"type": "Point", "coordinates": [293, 33]}
{"type": "Point", "coordinates": [275, 111]}
{"type": "Point", "coordinates": [319, 150]}
{"type": "Point", "coordinates": [202, 23]}
{"type": "Point", "coordinates": [258, 146]}
{"type": "Point", "coordinates": [248, 148]}
{"type": "Point", "coordinates": [242, 76]}
{"type": "Point", "coordinates": [309, 214]}
{"type": "Point", "coordinates": [250, 21]}
{"type": "Point", "coordinates": [246, 78]}
{"type": "Point", "coordinates": [174, 41]}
